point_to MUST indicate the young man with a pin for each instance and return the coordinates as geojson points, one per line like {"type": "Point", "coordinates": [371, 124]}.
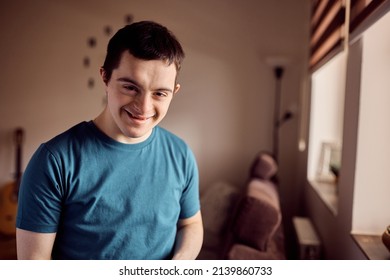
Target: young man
{"type": "Point", "coordinates": [120, 186]}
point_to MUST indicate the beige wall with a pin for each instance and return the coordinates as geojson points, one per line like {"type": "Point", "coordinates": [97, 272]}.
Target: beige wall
{"type": "Point", "coordinates": [372, 192]}
{"type": "Point", "coordinates": [225, 107]}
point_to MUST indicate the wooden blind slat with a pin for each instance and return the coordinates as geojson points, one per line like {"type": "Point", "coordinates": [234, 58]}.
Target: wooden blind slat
{"type": "Point", "coordinates": [314, 5]}
{"type": "Point", "coordinates": [318, 13]}
{"type": "Point", "coordinates": [334, 18]}
{"type": "Point", "coordinates": [327, 29]}
{"type": "Point", "coordinates": [357, 6]}
{"type": "Point", "coordinates": [332, 42]}
{"type": "Point", "coordinates": [361, 11]}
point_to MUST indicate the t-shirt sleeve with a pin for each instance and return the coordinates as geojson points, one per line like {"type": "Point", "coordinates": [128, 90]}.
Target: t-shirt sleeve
{"type": "Point", "coordinates": [189, 201]}
{"type": "Point", "coordinates": [40, 194]}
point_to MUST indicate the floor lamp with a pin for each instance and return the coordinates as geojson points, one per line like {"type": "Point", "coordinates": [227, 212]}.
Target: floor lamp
{"type": "Point", "coordinates": [278, 64]}
{"type": "Point", "coordinates": [279, 120]}
{"type": "Point", "coordinates": [278, 72]}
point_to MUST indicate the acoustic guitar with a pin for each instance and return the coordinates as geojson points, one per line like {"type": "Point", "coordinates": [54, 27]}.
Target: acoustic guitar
{"type": "Point", "coordinates": [9, 192]}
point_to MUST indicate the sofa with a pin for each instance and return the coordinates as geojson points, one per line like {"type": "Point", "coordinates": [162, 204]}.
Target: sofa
{"type": "Point", "coordinates": [244, 223]}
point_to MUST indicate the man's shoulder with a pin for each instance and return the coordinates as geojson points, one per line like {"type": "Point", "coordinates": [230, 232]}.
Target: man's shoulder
{"type": "Point", "coordinates": [170, 138]}
{"type": "Point", "coordinates": [68, 137]}
{"type": "Point", "coordinates": [174, 145]}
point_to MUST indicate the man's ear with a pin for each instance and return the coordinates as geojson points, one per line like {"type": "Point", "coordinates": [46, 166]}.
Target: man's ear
{"type": "Point", "coordinates": [176, 90]}
{"type": "Point", "coordinates": [103, 74]}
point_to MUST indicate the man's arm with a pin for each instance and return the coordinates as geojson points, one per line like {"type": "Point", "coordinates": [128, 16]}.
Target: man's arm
{"type": "Point", "coordinates": [34, 246]}
{"type": "Point", "coordinates": [189, 238]}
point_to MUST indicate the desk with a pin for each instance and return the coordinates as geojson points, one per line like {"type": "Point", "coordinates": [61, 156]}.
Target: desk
{"type": "Point", "coordinates": [372, 246]}
{"type": "Point", "coordinates": [7, 247]}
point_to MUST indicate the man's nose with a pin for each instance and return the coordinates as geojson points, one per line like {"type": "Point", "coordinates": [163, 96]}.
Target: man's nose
{"type": "Point", "coordinates": [144, 103]}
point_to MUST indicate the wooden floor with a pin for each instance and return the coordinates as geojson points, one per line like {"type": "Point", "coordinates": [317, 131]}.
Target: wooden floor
{"type": "Point", "coordinates": [7, 247]}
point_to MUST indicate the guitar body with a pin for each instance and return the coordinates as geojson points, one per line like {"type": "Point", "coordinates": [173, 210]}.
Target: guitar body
{"type": "Point", "coordinates": [9, 192]}
{"type": "Point", "coordinates": [8, 209]}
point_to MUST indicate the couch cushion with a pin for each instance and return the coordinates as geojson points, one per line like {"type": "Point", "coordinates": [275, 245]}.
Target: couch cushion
{"type": "Point", "coordinates": [217, 205]}
{"type": "Point", "coordinates": [258, 215]}
{"type": "Point", "coordinates": [263, 167]}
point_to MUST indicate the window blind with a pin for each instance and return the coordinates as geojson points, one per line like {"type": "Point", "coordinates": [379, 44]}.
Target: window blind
{"type": "Point", "coordinates": [364, 13]}
{"type": "Point", "coordinates": [328, 30]}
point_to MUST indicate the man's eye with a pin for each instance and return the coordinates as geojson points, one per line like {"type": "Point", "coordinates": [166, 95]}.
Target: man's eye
{"type": "Point", "coordinates": [130, 87]}
{"type": "Point", "coordinates": [161, 94]}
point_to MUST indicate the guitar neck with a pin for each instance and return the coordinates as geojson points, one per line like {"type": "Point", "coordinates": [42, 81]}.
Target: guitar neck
{"type": "Point", "coordinates": [19, 134]}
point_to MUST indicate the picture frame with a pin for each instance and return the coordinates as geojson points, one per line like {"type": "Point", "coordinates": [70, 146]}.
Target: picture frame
{"type": "Point", "coordinates": [329, 162]}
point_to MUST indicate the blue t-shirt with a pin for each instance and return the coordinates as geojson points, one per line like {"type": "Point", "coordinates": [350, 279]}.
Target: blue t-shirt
{"type": "Point", "coordinates": [109, 200]}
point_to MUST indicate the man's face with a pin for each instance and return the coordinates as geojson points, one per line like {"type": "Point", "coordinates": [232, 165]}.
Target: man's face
{"type": "Point", "coordinates": [139, 93]}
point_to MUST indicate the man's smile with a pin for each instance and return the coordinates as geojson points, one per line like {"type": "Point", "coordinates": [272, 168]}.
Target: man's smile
{"type": "Point", "coordinates": [138, 117]}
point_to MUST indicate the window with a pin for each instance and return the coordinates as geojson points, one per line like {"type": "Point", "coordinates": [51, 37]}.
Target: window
{"type": "Point", "coordinates": [326, 126]}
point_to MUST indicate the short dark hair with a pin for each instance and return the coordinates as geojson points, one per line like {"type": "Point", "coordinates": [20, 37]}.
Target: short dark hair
{"type": "Point", "coordinates": [146, 40]}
